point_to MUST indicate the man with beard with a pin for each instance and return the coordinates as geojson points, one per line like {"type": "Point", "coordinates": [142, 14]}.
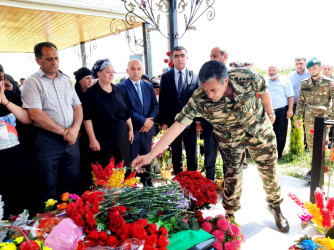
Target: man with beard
{"type": "Point", "coordinates": [281, 94]}
{"type": "Point", "coordinates": [318, 90]}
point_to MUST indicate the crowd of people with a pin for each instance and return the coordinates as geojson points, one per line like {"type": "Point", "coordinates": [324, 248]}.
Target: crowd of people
{"type": "Point", "coordinates": [51, 130]}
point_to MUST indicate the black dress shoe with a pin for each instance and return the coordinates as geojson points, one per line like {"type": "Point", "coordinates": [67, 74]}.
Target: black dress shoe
{"type": "Point", "coordinates": [281, 223]}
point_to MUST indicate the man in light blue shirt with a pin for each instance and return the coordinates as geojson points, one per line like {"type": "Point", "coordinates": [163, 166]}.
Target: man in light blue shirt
{"type": "Point", "coordinates": [282, 99]}
{"type": "Point", "coordinates": [296, 77]}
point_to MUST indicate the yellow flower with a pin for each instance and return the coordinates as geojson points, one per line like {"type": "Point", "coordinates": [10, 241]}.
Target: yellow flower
{"type": "Point", "coordinates": [46, 248]}
{"type": "Point", "coordinates": [315, 212]}
{"type": "Point", "coordinates": [130, 182]}
{"type": "Point", "coordinates": [116, 179]}
{"type": "Point", "coordinates": [328, 243]}
{"type": "Point", "coordinates": [8, 246]}
{"type": "Point", "coordinates": [94, 178]}
{"type": "Point", "coordinates": [19, 240]}
{"type": "Point", "coordinates": [50, 202]}
{"type": "Point", "coordinates": [39, 242]}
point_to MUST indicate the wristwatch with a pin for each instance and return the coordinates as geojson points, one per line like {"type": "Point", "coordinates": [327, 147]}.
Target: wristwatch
{"type": "Point", "coordinates": [272, 114]}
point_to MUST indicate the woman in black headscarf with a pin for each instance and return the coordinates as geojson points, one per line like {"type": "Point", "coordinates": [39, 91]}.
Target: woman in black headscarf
{"type": "Point", "coordinates": [106, 117]}
{"type": "Point", "coordinates": [11, 84]}
{"type": "Point", "coordinates": [84, 80]}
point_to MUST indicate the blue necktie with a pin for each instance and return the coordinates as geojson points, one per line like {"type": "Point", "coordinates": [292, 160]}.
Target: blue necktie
{"type": "Point", "coordinates": [139, 93]}
{"type": "Point", "coordinates": [179, 84]}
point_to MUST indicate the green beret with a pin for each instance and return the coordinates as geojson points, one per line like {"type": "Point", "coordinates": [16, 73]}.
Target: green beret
{"type": "Point", "coordinates": [313, 62]}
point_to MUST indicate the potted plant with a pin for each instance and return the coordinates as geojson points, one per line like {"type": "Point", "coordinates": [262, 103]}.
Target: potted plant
{"type": "Point", "coordinates": [219, 173]}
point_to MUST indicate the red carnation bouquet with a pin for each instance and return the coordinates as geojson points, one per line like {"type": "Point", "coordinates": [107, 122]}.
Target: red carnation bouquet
{"type": "Point", "coordinates": [199, 189]}
{"type": "Point", "coordinates": [226, 231]}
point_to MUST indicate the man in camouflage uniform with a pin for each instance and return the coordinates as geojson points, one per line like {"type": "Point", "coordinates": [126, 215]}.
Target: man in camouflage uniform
{"type": "Point", "coordinates": [318, 90]}
{"type": "Point", "coordinates": [229, 102]}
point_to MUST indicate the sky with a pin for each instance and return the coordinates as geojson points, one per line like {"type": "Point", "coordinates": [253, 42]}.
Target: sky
{"type": "Point", "coordinates": [265, 32]}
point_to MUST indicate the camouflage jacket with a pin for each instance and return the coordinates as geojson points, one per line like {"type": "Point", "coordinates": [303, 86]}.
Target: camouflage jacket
{"type": "Point", "coordinates": [315, 94]}
{"type": "Point", "coordinates": [232, 119]}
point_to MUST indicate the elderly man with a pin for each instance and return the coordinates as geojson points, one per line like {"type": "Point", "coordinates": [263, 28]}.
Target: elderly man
{"type": "Point", "coordinates": [318, 90]}
{"type": "Point", "coordinates": [282, 98]}
{"type": "Point", "coordinates": [56, 111]}
{"type": "Point", "coordinates": [327, 70]}
{"type": "Point", "coordinates": [176, 88]}
{"type": "Point", "coordinates": [143, 107]}
{"type": "Point", "coordinates": [229, 102]}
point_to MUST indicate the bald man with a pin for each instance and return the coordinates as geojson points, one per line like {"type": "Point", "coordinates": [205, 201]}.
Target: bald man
{"type": "Point", "coordinates": [143, 106]}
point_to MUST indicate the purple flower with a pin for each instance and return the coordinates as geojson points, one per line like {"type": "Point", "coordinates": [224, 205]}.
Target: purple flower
{"type": "Point", "coordinates": [305, 216]}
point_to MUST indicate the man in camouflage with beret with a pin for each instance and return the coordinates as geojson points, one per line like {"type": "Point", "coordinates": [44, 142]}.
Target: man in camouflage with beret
{"type": "Point", "coordinates": [318, 90]}
{"type": "Point", "coordinates": [229, 102]}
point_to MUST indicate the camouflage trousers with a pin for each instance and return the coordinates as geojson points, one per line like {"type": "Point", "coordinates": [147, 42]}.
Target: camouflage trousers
{"type": "Point", "coordinates": [265, 157]}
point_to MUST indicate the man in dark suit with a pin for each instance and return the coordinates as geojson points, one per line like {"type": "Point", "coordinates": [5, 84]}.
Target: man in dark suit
{"type": "Point", "coordinates": [143, 107]}
{"type": "Point", "coordinates": [175, 90]}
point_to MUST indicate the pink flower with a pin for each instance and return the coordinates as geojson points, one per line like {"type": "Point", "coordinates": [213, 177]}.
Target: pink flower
{"type": "Point", "coordinates": [297, 200]}
{"type": "Point", "coordinates": [74, 197]}
{"type": "Point", "coordinates": [234, 231]}
{"type": "Point", "coordinates": [222, 224]}
{"type": "Point", "coordinates": [305, 216]}
{"type": "Point", "coordinates": [219, 235]}
{"type": "Point", "coordinates": [218, 246]}
{"type": "Point", "coordinates": [208, 218]}
{"type": "Point", "coordinates": [220, 216]}
{"type": "Point", "coordinates": [207, 227]}
{"type": "Point", "coordinates": [237, 243]}
{"type": "Point", "coordinates": [229, 246]}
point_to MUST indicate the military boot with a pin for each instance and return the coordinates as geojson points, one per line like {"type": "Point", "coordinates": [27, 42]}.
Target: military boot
{"type": "Point", "coordinates": [280, 220]}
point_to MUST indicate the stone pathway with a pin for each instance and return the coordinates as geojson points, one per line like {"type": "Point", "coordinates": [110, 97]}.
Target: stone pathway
{"type": "Point", "coordinates": [257, 224]}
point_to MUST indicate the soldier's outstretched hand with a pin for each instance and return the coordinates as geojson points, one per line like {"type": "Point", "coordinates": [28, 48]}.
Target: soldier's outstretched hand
{"type": "Point", "coordinates": [139, 162]}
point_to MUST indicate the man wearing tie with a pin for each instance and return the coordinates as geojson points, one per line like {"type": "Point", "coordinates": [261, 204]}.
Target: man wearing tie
{"type": "Point", "coordinates": [143, 107]}
{"type": "Point", "coordinates": [176, 88]}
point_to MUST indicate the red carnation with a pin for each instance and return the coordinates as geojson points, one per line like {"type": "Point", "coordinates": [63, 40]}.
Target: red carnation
{"type": "Point", "coordinates": [162, 242]}
{"type": "Point", "coordinates": [25, 245]}
{"type": "Point", "coordinates": [78, 219]}
{"type": "Point", "coordinates": [112, 241]}
{"type": "Point", "coordinates": [170, 64]}
{"type": "Point", "coordinates": [138, 231]}
{"type": "Point", "coordinates": [166, 61]}
{"type": "Point", "coordinates": [143, 222]}
{"type": "Point", "coordinates": [95, 207]}
{"type": "Point", "coordinates": [92, 236]}
{"type": "Point", "coordinates": [168, 53]}
{"type": "Point", "coordinates": [162, 231]}
{"type": "Point", "coordinates": [151, 228]}
{"type": "Point", "coordinates": [151, 240]}
{"type": "Point", "coordinates": [116, 223]}
{"type": "Point", "coordinates": [103, 238]}
{"type": "Point", "coordinates": [90, 218]}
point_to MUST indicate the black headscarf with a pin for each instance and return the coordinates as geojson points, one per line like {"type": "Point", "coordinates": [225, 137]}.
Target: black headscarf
{"type": "Point", "coordinates": [16, 89]}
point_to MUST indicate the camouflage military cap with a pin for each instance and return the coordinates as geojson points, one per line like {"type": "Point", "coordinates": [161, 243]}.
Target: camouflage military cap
{"type": "Point", "coordinates": [313, 62]}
